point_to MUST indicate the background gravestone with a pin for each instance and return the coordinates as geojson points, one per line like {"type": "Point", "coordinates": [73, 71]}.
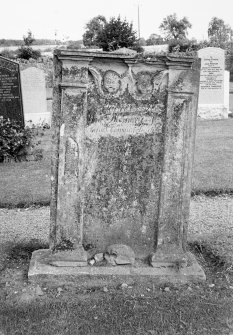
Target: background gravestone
{"type": "Point", "coordinates": [34, 95]}
{"type": "Point", "coordinates": [214, 84]}
{"type": "Point", "coordinates": [10, 91]}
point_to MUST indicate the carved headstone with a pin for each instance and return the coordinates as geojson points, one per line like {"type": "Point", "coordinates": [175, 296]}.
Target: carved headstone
{"type": "Point", "coordinates": [122, 155]}
{"type": "Point", "coordinates": [214, 85]}
{"type": "Point", "coordinates": [34, 95]}
{"type": "Point", "coordinates": [10, 91]}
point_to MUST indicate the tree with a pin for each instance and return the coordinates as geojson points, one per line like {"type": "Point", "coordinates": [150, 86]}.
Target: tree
{"type": "Point", "coordinates": [154, 39]}
{"type": "Point", "coordinates": [29, 39]}
{"type": "Point", "coordinates": [93, 29]}
{"type": "Point", "coordinates": [75, 44]}
{"type": "Point", "coordinates": [219, 32]}
{"type": "Point", "coordinates": [174, 28]}
{"type": "Point", "coordinates": [110, 35]}
{"type": "Point", "coordinates": [26, 51]}
{"type": "Point", "coordinates": [142, 41]}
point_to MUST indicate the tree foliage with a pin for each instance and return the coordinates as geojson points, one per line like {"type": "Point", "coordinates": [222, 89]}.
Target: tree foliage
{"type": "Point", "coordinates": [93, 29]}
{"type": "Point", "coordinates": [219, 32]}
{"type": "Point", "coordinates": [75, 44]}
{"type": "Point", "coordinates": [26, 51]}
{"type": "Point", "coordinates": [154, 39]}
{"type": "Point", "coordinates": [109, 35]}
{"type": "Point", "coordinates": [29, 39]}
{"type": "Point", "coordinates": [174, 28]}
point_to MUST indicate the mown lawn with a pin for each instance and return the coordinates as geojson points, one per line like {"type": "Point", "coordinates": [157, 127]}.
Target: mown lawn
{"type": "Point", "coordinates": [27, 183]}
{"type": "Point", "coordinates": [213, 160]}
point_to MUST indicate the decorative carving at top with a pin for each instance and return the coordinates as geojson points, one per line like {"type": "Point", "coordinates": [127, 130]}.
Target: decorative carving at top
{"type": "Point", "coordinates": [148, 83]}
{"type": "Point", "coordinates": [111, 82]}
{"type": "Point", "coordinates": [179, 104]}
{"type": "Point", "coordinates": [178, 84]}
{"type": "Point", "coordinates": [142, 85]}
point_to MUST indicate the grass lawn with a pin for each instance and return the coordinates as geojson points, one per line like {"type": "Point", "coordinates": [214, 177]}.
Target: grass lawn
{"type": "Point", "coordinates": [213, 160]}
{"type": "Point", "coordinates": [27, 183]}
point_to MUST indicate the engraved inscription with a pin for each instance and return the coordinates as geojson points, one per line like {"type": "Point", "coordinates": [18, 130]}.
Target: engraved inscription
{"type": "Point", "coordinates": [8, 86]}
{"type": "Point", "coordinates": [10, 92]}
{"type": "Point", "coordinates": [211, 74]}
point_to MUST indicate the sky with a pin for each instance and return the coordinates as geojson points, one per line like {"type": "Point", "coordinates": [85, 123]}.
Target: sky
{"type": "Point", "coordinates": [66, 19]}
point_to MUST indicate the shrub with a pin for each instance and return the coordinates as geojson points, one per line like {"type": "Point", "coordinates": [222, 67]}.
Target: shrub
{"type": "Point", "coordinates": [15, 140]}
{"type": "Point", "coordinates": [27, 52]}
{"type": "Point", "coordinates": [184, 45]}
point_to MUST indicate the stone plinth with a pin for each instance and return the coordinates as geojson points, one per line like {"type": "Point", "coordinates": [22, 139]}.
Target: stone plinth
{"type": "Point", "coordinates": [123, 143]}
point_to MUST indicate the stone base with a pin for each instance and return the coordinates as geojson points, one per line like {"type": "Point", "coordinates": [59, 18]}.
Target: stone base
{"type": "Point", "coordinates": [41, 270]}
{"type": "Point", "coordinates": [69, 258]}
{"type": "Point", "coordinates": [212, 112]}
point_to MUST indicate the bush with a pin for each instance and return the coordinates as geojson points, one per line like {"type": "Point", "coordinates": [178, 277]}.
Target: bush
{"type": "Point", "coordinates": [26, 52]}
{"type": "Point", "coordinates": [15, 140]}
{"type": "Point", "coordinates": [184, 45]}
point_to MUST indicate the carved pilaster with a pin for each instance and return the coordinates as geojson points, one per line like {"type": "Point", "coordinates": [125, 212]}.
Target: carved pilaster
{"type": "Point", "coordinates": [68, 171]}
{"type": "Point", "coordinates": [175, 184]}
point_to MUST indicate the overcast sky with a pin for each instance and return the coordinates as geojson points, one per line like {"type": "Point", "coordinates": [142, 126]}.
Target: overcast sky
{"type": "Point", "coordinates": [69, 17]}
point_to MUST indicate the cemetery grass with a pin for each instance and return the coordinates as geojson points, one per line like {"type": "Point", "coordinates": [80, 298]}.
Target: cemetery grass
{"type": "Point", "coordinates": [137, 309]}
{"type": "Point", "coordinates": [213, 158]}
{"type": "Point", "coordinates": [24, 184]}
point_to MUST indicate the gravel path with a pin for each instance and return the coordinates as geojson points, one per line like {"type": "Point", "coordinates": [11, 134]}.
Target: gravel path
{"type": "Point", "coordinates": [24, 224]}
{"type": "Point", "coordinates": [211, 219]}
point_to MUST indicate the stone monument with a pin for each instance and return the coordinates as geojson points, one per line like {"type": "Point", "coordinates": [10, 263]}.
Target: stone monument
{"type": "Point", "coordinates": [10, 91]}
{"type": "Point", "coordinates": [34, 95]}
{"type": "Point", "coordinates": [123, 143]}
{"type": "Point", "coordinates": [214, 85]}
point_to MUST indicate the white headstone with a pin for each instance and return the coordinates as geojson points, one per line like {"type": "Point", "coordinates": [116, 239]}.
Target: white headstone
{"type": "Point", "coordinates": [34, 96]}
{"type": "Point", "coordinates": [214, 89]}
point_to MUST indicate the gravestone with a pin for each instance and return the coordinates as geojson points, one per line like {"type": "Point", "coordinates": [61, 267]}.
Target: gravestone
{"type": "Point", "coordinates": [10, 91]}
{"type": "Point", "coordinates": [123, 142]}
{"type": "Point", "coordinates": [214, 85]}
{"type": "Point", "coordinates": [34, 95]}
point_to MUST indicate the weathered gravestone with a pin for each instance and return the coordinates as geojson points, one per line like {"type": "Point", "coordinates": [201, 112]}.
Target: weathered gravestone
{"type": "Point", "coordinates": [10, 91]}
{"type": "Point", "coordinates": [34, 95]}
{"type": "Point", "coordinates": [121, 169]}
{"type": "Point", "coordinates": [214, 84]}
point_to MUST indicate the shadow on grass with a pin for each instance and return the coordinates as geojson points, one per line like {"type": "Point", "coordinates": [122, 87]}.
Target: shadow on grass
{"type": "Point", "coordinates": [208, 257]}
{"type": "Point", "coordinates": [212, 192]}
{"type": "Point", "coordinates": [19, 253]}
{"type": "Point", "coordinates": [22, 251]}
